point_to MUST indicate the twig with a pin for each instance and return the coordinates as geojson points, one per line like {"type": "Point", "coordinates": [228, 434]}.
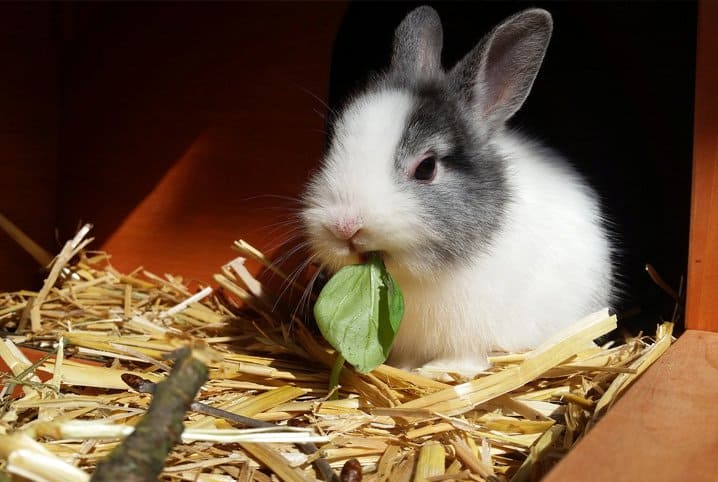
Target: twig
{"type": "Point", "coordinates": [661, 283]}
{"type": "Point", "coordinates": [678, 307]}
{"type": "Point", "coordinates": [145, 386]}
{"type": "Point", "coordinates": [141, 456]}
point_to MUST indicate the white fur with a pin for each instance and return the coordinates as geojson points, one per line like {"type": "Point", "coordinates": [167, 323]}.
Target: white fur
{"type": "Point", "coordinates": [547, 267]}
{"type": "Point", "coordinates": [356, 182]}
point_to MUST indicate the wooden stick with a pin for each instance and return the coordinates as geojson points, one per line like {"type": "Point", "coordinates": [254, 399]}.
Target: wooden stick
{"type": "Point", "coordinates": [42, 257]}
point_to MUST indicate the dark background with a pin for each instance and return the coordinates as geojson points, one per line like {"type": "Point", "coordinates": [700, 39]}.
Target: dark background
{"type": "Point", "coordinates": [162, 123]}
{"type": "Point", "coordinates": [614, 95]}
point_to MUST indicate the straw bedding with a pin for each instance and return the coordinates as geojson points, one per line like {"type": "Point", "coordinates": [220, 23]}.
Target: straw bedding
{"type": "Point", "coordinates": [64, 413]}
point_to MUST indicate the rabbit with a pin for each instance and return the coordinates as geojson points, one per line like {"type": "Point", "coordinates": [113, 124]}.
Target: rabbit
{"type": "Point", "coordinates": [495, 241]}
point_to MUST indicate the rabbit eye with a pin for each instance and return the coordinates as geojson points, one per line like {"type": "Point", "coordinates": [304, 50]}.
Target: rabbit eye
{"type": "Point", "coordinates": [426, 169]}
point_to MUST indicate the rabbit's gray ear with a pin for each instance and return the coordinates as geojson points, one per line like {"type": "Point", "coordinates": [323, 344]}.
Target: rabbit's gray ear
{"type": "Point", "coordinates": [417, 46]}
{"type": "Point", "coordinates": [497, 75]}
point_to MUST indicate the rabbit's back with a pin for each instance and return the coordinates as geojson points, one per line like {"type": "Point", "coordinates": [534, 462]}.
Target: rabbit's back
{"type": "Point", "coordinates": [548, 266]}
{"type": "Point", "coordinates": [551, 263]}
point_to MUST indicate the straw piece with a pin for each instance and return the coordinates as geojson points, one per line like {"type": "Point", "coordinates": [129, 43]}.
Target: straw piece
{"type": "Point", "coordinates": [87, 288]}
{"type": "Point", "coordinates": [537, 450]}
{"type": "Point", "coordinates": [387, 462]}
{"type": "Point", "coordinates": [398, 377]}
{"type": "Point", "coordinates": [463, 398]}
{"type": "Point", "coordinates": [275, 462]}
{"type": "Point", "coordinates": [470, 460]}
{"type": "Point", "coordinates": [128, 301]}
{"type": "Point", "coordinates": [403, 471]}
{"type": "Point", "coordinates": [133, 281]}
{"type": "Point", "coordinates": [522, 408]}
{"type": "Point", "coordinates": [459, 475]}
{"type": "Point", "coordinates": [29, 459]}
{"type": "Point", "coordinates": [107, 340]}
{"type": "Point", "coordinates": [253, 253]}
{"type": "Point", "coordinates": [206, 464]}
{"type": "Point", "coordinates": [205, 316]}
{"type": "Point", "coordinates": [186, 303]}
{"type": "Point", "coordinates": [254, 286]}
{"type": "Point", "coordinates": [19, 365]}
{"type": "Point", "coordinates": [13, 308]}
{"type": "Point", "coordinates": [80, 374]}
{"type": "Point", "coordinates": [227, 436]}
{"type": "Point", "coordinates": [141, 324]}
{"type": "Point", "coordinates": [431, 429]}
{"type": "Point", "coordinates": [511, 425]}
{"type": "Point", "coordinates": [431, 461]}
{"type": "Point", "coordinates": [663, 341]}
{"type": "Point", "coordinates": [46, 468]}
{"type": "Point", "coordinates": [252, 406]}
{"type": "Point", "coordinates": [70, 249]}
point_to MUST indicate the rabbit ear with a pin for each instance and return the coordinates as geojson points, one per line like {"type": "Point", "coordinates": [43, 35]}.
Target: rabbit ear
{"type": "Point", "coordinates": [417, 46]}
{"type": "Point", "coordinates": [497, 75]}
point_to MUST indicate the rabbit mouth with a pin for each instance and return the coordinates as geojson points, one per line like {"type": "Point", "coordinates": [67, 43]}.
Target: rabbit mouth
{"type": "Point", "coordinates": [344, 254]}
{"type": "Point", "coordinates": [365, 255]}
{"type": "Point", "coordinates": [353, 252]}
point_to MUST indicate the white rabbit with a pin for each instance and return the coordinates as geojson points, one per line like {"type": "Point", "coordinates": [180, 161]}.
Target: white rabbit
{"type": "Point", "coordinates": [495, 241]}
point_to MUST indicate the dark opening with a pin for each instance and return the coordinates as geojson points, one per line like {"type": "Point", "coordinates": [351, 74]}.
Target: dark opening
{"type": "Point", "coordinates": [614, 95]}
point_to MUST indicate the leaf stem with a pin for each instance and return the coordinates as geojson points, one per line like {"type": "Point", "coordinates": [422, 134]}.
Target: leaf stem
{"type": "Point", "coordinates": [334, 377]}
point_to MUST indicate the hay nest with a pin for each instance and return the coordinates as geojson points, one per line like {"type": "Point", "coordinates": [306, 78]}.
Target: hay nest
{"type": "Point", "coordinates": [67, 411]}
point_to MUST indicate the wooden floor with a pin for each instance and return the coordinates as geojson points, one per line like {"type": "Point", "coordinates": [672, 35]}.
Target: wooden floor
{"type": "Point", "coordinates": [665, 428]}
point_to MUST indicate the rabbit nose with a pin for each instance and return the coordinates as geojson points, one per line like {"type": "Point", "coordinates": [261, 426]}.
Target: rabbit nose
{"type": "Point", "coordinates": [345, 229]}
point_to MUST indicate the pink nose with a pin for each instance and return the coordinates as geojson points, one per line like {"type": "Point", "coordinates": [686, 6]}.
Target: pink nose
{"type": "Point", "coordinates": [345, 229]}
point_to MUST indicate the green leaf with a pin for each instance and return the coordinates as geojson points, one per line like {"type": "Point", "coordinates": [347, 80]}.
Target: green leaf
{"type": "Point", "coordinates": [359, 312]}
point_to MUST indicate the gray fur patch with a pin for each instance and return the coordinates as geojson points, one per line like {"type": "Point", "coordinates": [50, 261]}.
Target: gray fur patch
{"type": "Point", "coordinates": [466, 209]}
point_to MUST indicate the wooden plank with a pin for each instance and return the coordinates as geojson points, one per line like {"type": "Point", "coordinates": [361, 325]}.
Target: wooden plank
{"type": "Point", "coordinates": [702, 302]}
{"type": "Point", "coordinates": [665, 428]}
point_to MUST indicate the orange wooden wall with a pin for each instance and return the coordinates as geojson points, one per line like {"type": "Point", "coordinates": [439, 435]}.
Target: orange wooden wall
{"type": "Point", "coordinates": [160, 123]}
{"type": "Point", "coordinates": [702, 302]}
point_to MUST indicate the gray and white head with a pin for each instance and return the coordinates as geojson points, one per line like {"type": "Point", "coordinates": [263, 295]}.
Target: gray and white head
{"type": "Point", "coordinates": [412, 170]}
